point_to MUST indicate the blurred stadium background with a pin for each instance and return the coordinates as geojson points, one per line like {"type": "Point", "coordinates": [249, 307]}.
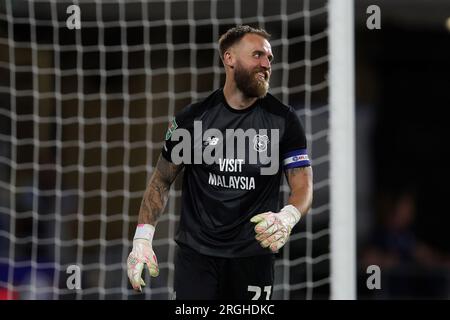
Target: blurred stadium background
{"type": "Point", "coordinates": [83, 113]}
{"type": "Point", "coordinates": [401, 95]}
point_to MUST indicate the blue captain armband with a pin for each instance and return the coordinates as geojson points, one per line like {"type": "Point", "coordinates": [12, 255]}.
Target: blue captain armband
{"type": "Point", "coordinates": [296, 158]}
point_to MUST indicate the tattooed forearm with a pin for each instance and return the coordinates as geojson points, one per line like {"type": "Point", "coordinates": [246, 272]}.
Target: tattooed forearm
{"type": "Point", "coordinates": [154, 201]}
{"type": "Point", "coordinates": [157, 193]}
{"type": "Point", "coordinates": [301, 184]}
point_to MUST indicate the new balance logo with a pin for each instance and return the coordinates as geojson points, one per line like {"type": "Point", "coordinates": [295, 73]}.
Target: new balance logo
{"type": "Point", "coordinates": [211, 141]}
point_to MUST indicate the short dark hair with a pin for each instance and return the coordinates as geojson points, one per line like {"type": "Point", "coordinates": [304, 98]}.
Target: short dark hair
{"type": "Point", "coordinates": [235, 34]}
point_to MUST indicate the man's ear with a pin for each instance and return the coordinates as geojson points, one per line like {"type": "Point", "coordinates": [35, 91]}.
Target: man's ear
{"type": "Point", "coordinates": [228, 59]}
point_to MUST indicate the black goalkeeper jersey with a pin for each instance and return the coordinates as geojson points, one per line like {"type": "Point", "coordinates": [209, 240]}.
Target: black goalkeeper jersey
{"type": "Point", "coordinates": [220, 197]}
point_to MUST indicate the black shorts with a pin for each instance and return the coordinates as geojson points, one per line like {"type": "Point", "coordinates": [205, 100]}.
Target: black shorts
{"type": "Point", "coordinates": [201, 277]}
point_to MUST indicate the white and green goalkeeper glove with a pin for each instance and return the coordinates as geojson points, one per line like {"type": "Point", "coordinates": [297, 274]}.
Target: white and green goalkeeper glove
{"type": "Point", "coordinates": [141, 254]}
{"type": "Point", "coordinates": [273, 229]}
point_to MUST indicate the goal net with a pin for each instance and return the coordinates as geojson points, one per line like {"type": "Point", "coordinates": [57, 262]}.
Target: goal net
{"type": "Point", "coordinates": [83, 114]}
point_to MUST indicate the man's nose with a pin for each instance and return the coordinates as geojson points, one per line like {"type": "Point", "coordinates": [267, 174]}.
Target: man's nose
{"type": "Point", "coordinates": [265, 63]}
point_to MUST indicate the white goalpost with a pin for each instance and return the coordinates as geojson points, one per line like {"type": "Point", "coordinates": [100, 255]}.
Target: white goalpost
{"type": "Point", "coordinates": [83, 113]}
{"type": "Point", "coordinates": [342, 150]}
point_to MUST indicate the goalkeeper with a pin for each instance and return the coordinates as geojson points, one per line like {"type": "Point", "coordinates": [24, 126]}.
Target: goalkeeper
{"type": "Point", "coordinates": [230, 225]}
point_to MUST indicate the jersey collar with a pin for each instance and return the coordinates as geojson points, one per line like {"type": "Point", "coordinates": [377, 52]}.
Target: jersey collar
{"type": "Point", "coordinates": [248, 109]}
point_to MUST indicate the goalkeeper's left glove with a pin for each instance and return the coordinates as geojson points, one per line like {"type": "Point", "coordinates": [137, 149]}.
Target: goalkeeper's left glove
{"type": "Point", "coordinates": [273, 229]}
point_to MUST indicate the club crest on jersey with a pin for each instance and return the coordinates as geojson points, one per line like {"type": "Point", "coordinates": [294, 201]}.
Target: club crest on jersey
{"type": "Point", "coordinates": [260, 142]}
{"type": "Point", "coordinates": [172, 126]}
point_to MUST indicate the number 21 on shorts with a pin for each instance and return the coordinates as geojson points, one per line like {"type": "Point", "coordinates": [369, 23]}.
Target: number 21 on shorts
{"type": "Point", "coordinates": [257, 290]}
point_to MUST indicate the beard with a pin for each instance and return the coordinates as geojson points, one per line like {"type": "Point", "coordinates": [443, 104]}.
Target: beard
{"type": "Point", "coordinates": [249, 83]}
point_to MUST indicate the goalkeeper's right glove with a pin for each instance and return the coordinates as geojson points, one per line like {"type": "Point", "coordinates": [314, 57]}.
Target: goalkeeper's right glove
{"type": "Point", "coordinates": [141, 254]}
